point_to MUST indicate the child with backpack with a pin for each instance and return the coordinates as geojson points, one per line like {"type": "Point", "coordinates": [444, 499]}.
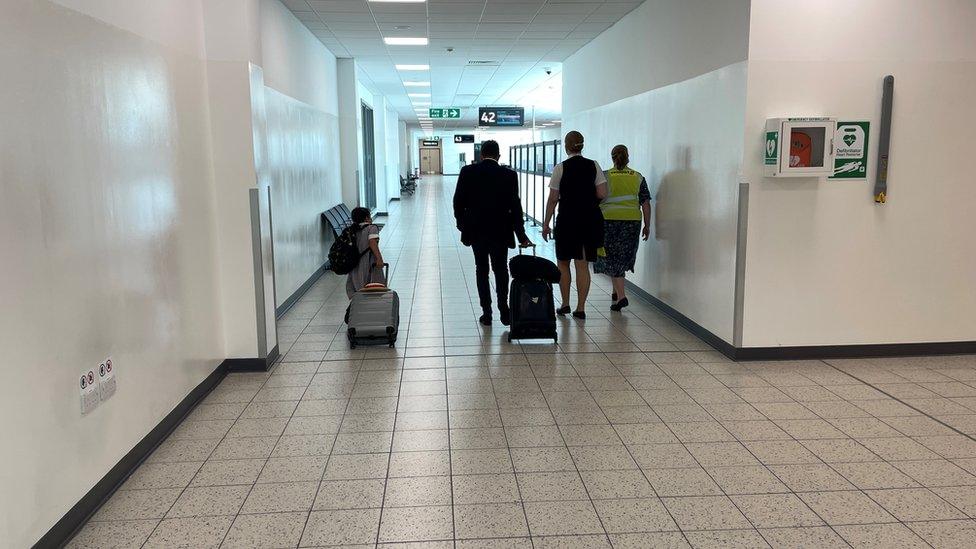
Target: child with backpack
{"type": "Point", "coordinates": [357, 252]}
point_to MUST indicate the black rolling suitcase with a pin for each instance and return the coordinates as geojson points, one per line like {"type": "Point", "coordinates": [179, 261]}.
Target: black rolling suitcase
{"type": "Point", "coordinates": [530, 298]}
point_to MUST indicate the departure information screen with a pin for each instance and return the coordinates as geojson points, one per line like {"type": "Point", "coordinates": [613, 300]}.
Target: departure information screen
{"type": "Point", "coordinates": [501, 116]}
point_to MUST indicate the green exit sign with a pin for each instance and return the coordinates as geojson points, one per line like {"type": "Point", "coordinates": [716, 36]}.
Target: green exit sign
{"type": "Point", "coordinates": [450, 112]}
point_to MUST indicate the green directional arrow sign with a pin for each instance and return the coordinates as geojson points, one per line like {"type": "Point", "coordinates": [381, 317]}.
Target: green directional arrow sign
{"type": "Point", "coordinates": [448, 112]}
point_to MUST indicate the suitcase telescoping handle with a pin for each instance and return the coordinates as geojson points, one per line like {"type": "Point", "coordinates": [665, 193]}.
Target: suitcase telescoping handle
{"type": "Point", "coordinates": [521, 247]}
{"type": "Point", "coordinates": [386, 271]}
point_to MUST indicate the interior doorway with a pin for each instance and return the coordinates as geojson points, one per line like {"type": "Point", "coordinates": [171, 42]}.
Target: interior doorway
{"type": "Point", "coordinates": [369, 159]}
{"type": "Point", "coordinates": [430, 160]}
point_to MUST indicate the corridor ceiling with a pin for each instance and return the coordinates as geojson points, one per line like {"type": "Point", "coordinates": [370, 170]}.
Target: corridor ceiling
{"type": "Point", "coordinates": [501, 49]}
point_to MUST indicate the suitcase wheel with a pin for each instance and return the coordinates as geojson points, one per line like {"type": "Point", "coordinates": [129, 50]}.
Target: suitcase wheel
{"type": "Point", "coordinates": [509, 337]}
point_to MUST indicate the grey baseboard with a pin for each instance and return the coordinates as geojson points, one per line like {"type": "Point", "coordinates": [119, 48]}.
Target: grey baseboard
{"type": "Point", "coordinates": [251, 364]}
{"type": "Point", "coordinates": [806, 352]}
{"type": "Point", "coordinates": [62, 531]}
{"type": "Point", "coordinates": [297, 294]}
{"type": "Point", "coordinates": [718, 343]}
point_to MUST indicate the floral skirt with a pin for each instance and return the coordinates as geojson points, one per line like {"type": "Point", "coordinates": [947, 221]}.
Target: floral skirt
{"type": "Point", "coordinates": [620, 243]}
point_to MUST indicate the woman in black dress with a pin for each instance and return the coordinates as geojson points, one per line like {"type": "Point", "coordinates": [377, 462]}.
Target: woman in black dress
{"type": "Point", "coordinates": [577, 185]}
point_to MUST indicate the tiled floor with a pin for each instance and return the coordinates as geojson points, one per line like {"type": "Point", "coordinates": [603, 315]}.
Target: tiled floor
{"type": "Point", "coordinates": [630, 433]}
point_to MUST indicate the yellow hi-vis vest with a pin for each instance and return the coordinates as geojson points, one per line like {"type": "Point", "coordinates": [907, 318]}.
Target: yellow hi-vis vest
{"type": "Point", "coordinates": [622, 203]}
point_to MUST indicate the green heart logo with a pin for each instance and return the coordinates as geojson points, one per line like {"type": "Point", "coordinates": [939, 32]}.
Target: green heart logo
{"type": "Point", "coordinates": [850, 139]}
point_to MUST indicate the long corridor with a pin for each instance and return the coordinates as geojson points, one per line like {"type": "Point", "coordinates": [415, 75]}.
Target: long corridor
{"type": "Point", "coordinates": [629, 433]}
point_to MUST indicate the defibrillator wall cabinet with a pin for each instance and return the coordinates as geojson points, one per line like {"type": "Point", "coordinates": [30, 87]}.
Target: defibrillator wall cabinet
{"type": "Point", "coordinates": [799, 147]}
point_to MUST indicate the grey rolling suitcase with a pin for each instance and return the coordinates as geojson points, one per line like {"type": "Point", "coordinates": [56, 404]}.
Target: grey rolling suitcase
{"type": "Point", "coordinates": [374, 316]}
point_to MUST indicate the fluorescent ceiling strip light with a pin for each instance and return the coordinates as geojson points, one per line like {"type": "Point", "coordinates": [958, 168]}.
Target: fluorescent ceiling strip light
{"type": "Point", "coordinates": [418, 95]}
{"type": "Point", "coordinates": [417, 84]}
{"type": "Point", "coordinates": [413, 67]}
{"type": "Point", "coordinates": [405, 40]}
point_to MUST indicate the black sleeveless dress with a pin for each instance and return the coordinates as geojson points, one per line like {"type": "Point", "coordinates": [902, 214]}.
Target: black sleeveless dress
{"type": "Point", "coordinates": [579, 222]}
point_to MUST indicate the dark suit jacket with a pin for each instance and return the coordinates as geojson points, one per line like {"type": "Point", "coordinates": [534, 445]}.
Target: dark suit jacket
{"type": "Point", "coordinates": [487, 206]}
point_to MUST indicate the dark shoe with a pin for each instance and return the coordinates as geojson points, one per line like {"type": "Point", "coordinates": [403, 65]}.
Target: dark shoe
{"type": "Point", "coordinates": [613, 297]}
{"type": "Point", "coordinates": [485, 319]}
{"type": "Point", "coordinates": [563, 311]}
{"type": "Point", "coordinates": [505, 315]}
{"type": "Point", "coordinates": [579, 314]}
{"type": "Point", "coordinates": [619, 305]}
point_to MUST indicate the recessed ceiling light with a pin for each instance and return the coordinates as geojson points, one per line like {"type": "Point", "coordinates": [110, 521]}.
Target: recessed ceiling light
{"type": "Point", "coordinates": [417, 84]}
{"type": "Point", "coordinates": [405, 40]}
{"type": "Point", "coordinates": [418, 95]}
{"type": "Point", "coordinates": [413, 67]}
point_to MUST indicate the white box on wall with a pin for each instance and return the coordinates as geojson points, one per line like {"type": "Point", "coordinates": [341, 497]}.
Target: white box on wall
{"type": "Point", "coordinates": [799, 147]}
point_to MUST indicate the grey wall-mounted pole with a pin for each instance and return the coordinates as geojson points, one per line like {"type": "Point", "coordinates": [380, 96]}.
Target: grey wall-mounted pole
{"type": "Point", "coordinates": [881, 176]}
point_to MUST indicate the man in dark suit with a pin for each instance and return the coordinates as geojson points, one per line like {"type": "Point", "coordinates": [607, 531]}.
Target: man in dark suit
{"type": "Point", "coordinates": [489, 215]}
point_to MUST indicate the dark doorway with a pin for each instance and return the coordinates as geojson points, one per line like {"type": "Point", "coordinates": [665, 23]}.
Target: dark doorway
{"type": "Point", "coordinates": [369, 159]}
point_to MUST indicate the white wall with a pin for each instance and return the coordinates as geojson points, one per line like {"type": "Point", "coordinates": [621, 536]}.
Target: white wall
{"type": "Point", "coordinates": [384, 130]}
{"type": "Point", "coordinates": [175, 24]}
{"type": "Point", "coordinates": [133, 135]}
{"type": "Point", "coordinates": [659, 43]}
{"type": "Point", "coordinates": [294, 61]}
{"type": "Point", "coordinates": [349, 131]}
{"type": "Point", "coordinates": [232, 41]}
{"type": "Point", "coordinates": [825, 264]}
{"type": "Point", "coordinates": [391, 133]}
{"type": "Point", "coordinates": [376, 102]}
{"type": "Point", "coordinates": [677, 101]}
{"type": "Point", "coordinates": [300, 144]}
{"type": "Point", "coordinates": [303, 172]}
{"type": "Point", "coordinates": [106, 227]}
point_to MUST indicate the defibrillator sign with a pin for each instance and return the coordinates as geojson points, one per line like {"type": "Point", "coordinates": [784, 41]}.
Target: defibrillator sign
{"type": "Point", "coordinates": [851, 150]}
{"type": "Point", "coordinates": [771, 157]}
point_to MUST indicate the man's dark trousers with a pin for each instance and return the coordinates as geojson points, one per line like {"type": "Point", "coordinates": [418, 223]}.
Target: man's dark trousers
{"type": "Point", "coordinates": [497, 254]}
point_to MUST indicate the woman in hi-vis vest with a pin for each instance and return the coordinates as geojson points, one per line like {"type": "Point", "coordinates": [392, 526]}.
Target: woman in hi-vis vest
{"type": "Point", "coordinates": [628, 202]}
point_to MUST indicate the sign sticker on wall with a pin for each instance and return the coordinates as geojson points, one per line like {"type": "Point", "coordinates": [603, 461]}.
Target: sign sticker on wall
{"type": "Point", "coordinates": [772, 146]}
{"type": "Point", "coordinates": [88, 387]}
{"type": "Point", "coordinates": [106, 379]}
{"type": "Point", "coordinates": [851, 150]}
